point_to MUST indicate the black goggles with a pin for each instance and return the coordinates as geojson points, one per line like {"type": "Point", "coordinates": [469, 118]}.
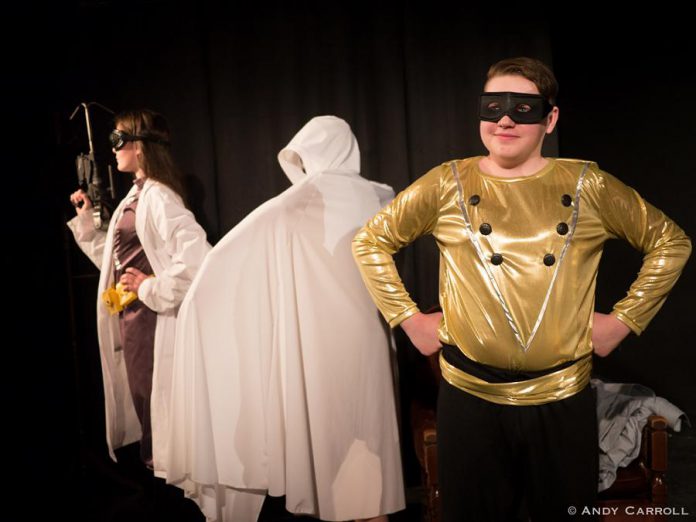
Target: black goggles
{"type": "Point", "coordinates": [119, 138]}
{"type": "Point", "coordinates": [521, 108]}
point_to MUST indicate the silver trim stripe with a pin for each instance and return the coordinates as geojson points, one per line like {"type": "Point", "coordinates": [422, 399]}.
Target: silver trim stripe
{"type": "Point", "coordinates": [479, 251]}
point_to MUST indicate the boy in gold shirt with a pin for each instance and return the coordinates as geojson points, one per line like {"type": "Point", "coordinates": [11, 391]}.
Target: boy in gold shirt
{"type": "Point", "coordinates": [520, 239]}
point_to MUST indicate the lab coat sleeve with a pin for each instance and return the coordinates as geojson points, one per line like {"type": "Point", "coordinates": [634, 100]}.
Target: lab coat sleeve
{"type": "Point", "coordinates": [183, 242]}
{"type": "Point", "coordinates": [90, 240]}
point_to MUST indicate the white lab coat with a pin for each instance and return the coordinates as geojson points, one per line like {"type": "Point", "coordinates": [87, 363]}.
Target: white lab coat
{"type": "Point", "coordinates": [282, 379]}
{"type": "Point", "coordinates": [175, 246]}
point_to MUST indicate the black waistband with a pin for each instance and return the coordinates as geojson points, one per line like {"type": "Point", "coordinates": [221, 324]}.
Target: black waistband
{"type": "Point", "coordinates": [456, 358]}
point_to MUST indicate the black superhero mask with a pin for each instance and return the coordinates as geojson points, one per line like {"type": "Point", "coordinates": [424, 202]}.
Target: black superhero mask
{"type": "Point", "coordinates": [522, 108]}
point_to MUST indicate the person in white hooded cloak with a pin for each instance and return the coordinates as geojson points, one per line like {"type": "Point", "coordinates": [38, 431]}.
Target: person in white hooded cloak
{"type": "Point", "coordinates": [282, 380]}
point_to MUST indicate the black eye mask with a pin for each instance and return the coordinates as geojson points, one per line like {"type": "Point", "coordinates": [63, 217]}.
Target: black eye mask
{"type": "Point", "coordinates": [119, 138]}
{"type": "Point", "coordinates": [521, 108]}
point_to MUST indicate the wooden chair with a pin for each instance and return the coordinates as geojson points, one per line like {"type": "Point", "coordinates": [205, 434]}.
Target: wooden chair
{"type": "Point", "coordinates": [640, 485]}
{"type": "Point", "coordinates": [424, 431]}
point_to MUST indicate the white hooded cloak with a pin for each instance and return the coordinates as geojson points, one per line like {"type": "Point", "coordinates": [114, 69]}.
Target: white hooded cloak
{"type": "Point", "coordinates": [282, 380]}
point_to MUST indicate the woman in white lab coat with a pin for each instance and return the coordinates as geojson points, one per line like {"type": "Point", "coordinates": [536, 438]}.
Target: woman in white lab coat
{"type": "Point", "coordinates": [153, 248]}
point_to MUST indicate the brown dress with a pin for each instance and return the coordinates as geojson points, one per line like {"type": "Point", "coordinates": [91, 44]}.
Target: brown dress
{"type": "Point", "coordinates": [137, 321]}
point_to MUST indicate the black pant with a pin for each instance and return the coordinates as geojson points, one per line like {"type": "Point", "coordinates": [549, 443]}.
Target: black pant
{"type": "Point", "coordinates": [505, 463]}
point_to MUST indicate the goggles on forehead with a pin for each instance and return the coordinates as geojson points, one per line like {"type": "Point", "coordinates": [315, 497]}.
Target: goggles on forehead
{"type": "Point", "coordinates": [521, 108]}
{"type": "Point", "coordinates": [119, 138]}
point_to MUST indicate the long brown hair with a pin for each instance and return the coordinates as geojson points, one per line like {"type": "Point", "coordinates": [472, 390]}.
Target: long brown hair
{"type": "Point", "coordinates": [156, 158]}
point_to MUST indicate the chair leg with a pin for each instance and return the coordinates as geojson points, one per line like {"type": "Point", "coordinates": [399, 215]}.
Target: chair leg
{"type": "Point", "coordinates": [656, 438]}
{"type": "Point", "coordinates": [430, 454]}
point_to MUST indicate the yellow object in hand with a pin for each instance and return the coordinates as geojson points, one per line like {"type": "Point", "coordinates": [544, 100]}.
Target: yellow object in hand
{"type": "Point", "coordinates": [117, 298]}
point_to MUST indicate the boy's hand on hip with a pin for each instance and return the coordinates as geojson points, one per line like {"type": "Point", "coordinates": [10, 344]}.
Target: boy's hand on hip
{"type": "Point", "coordinates": [422, 331]}
{"type": "Point", "coordinates": [607, 333]}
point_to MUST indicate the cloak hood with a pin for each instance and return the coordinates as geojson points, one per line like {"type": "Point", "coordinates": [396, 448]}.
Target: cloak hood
{"type": "Point", "coordinates": [325, 144]}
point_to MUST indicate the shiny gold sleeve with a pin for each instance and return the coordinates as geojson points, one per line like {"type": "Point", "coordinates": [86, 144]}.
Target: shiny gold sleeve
{"type": "Point", "coordinates": [665, 246]}
{"type": "Point", "coordinates": [413, 213]}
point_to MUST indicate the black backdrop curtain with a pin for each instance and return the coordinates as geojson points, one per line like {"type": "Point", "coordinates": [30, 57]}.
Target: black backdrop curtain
{"type": "Point", "coordinates": [237, 82]}
{"type": "Point", "coordinates": [237, 85]}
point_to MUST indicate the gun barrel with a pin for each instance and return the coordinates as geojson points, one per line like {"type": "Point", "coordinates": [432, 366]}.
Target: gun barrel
{"type": "Point", "coordinates": [89, 129]}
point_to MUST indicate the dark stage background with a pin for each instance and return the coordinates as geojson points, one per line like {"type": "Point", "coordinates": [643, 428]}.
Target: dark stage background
{"type": "Point", "coordinates": [236, 84]}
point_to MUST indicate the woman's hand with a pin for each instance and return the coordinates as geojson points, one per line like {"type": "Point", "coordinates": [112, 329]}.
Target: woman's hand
{"type": "Point", "coordinates": [422, 330]}
{"type": "Point", "coordinates": [132, 279]}
{"type": "Point", "coordinates": [77, 197]}
{"type": "Point", "coordinates": [607, 333]}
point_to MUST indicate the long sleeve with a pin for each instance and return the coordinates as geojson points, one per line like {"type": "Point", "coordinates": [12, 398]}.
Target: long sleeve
{"type": "Point", "coordinates": [665, 246]}
{"type": "Point", "coordinates": [184, 244]}
{"type": "Point", "coordinates": [90, 240]}
{"type": "Point", "coordinates": [413, 213]}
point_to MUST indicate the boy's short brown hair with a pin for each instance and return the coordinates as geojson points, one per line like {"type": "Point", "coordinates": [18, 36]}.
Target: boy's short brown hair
{"type": "Point", "coordinates": [534, 70]}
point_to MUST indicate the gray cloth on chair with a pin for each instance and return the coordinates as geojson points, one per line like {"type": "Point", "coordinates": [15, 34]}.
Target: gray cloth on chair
{"type": "Point", "coordinates": [622, 413]}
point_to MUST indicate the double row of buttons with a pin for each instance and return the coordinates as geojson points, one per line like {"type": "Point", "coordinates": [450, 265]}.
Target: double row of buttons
{"type": "Point", "coordinates": [486, 229]}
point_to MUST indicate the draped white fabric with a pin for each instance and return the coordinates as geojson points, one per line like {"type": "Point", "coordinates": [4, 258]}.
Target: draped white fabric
{"type": "Point", "coordinates": [282, 380]}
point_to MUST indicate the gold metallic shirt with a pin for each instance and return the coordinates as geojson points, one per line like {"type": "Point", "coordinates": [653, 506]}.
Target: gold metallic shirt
{"type": "Point", "coordinates": [519, 257]}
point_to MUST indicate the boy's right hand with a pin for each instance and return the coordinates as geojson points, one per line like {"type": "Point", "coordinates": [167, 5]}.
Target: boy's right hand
{"type": "Point", "coordinates": [80, 201]}
{"type": "Point", "coordinates": [422, 331]}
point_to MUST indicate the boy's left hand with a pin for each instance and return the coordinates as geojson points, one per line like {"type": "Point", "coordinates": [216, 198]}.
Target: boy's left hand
{"type": "Point", "coordinates": [607, 333]}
